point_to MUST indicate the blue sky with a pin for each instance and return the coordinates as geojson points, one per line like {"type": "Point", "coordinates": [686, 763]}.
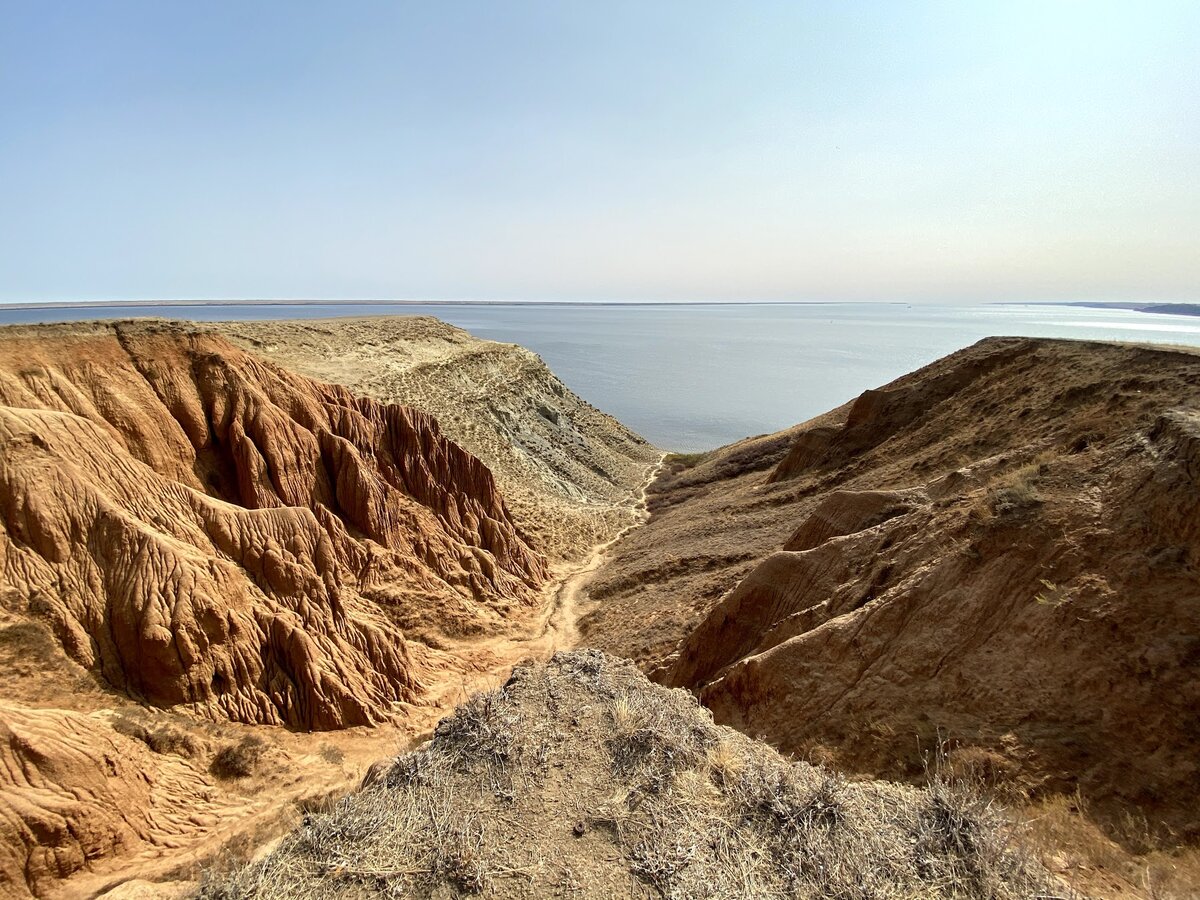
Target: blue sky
{"type": "Point", "coordinates": [603, 151]}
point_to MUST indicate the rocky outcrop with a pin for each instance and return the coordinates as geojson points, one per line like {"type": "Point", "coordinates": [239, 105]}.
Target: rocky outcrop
{"type": "Point", "coordinates": [997, 554]}
{"type": "Point", "coordinates": [205, 529]}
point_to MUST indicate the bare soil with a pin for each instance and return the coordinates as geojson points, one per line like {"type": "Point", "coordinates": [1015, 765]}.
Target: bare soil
{"type": "Point", "coordinates": [566, 469]}
{"type": "Point", "coordinates": [195, 538]}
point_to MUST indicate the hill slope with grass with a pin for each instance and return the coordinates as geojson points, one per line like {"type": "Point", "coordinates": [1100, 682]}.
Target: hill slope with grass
{"type": "Point", "coordinates": [581, 778]}
{"type": "Point", "coordinates": [1000, 550]}
{"type": "Point", "coordinates": [566, 469]}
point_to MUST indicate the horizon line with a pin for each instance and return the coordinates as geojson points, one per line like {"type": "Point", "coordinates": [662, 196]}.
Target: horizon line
{"type": "Point", "coordinates": [308, 301]}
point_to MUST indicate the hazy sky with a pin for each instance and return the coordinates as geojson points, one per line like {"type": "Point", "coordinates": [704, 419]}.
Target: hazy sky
{"type": "Point", "coordinates": [935, 151]}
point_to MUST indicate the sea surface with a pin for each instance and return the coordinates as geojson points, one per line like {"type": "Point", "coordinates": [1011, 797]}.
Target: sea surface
{"type": "Point", "coordinates": [695, 376]}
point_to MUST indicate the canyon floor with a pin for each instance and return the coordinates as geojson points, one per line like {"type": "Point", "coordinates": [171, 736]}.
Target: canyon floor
{"type": "Point", "coordinates": [246, 565]}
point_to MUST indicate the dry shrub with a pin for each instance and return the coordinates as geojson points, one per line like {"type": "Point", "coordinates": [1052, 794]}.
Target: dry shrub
{"type": "Point", "coordinates": [483, 728]}
{"type": "Point", "coordinates": [647, 739]}
{"type": "Point", "coordinates": [239, 760]}
{"type": "Point", "coordinates": [988, 771]}
{"type": "Point", "coordinates": [613, 781]}
{"type": "Point", "coordinates": [677, 462]}
{"type": "Point", "coordinates": [1017, 490]}
{"type": "Point", "coordinates": [1013, 492]}
{"type": "Point", "coordinates": [725, 762]}
{"type": "Point", "coordinates": [624, 716]}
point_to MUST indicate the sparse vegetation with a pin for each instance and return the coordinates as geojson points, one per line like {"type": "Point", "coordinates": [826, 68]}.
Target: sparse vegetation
{"type": "Point", "coordinates": [681, 461]}
{"type": "Point", "coordinates": [240, 760]}
{"type": "Point", "coordinates": [1017, 490]}
{"type": "Point", "coordinates": [1050, 595]}
{"type": "Point", "coordinates": [618, 786]}
{"type": "Point", "coordinates": [1062, 831]}
{"type": "Point", "coordinates": [725, 762]}
{"type": "Point", "coordinates": [332, 754]}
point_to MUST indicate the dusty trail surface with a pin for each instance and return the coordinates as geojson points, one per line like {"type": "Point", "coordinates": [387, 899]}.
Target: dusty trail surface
{"type": "Point", "coordinates": [559, 629]}
{"type": "Point", "coordinates": [488, 661]}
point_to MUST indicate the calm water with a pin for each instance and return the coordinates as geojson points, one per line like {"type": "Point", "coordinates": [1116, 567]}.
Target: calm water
{"type": "Point", "coordinates": [692, 377]}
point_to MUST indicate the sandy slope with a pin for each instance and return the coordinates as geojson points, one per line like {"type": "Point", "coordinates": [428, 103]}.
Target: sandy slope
{"type": "Point", "coordinates": [997, 553]}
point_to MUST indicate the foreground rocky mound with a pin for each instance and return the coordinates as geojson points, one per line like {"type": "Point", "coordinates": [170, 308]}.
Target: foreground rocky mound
{"type": "Point", "coordinates": [202, 528]}
{"type": "Point", "coordinates": [581, 778]}
{"type": "Point", "coordinates": [570, 473]}
{"type": "Point", "coordinates": [999, 550]}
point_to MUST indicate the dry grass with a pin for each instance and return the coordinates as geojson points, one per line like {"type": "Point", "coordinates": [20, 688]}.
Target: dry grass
{"type": "Point", "coordinates": [725, 762]}
{"type": "Point", "coordinates": [1017, 489]}
{"type": "Point", "coordinates": [239, 760]}
{"type": "Point", "coordinates": [581, 777]}
{"type": "Point", "coordinates": [332, 755]}
{"type": "Point", "coordinates": [624, 716]}
{"type": "Point", "coordinates": [1062, 832]}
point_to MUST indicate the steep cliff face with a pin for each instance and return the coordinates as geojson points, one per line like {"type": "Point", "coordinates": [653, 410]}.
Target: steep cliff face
{"type": "Point", "coordinates": [569, 473]}
{"type": "Point", "coordinates": [999, 551]}
{"type": "Point", "coordinates": [204, 528]}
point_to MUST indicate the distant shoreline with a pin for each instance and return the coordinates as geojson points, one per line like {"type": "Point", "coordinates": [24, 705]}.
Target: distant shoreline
{"type": "Point", "coordinates": [92, 304]}
{"type": "Point", "coordinates": [1179, 308]}
{"type": "Point", "coordinates": [1176, 308]}
{"type": "Point", "coordinates": [1168, 309]}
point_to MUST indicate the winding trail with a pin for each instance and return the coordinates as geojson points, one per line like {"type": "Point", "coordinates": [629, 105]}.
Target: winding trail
{"type": "Point", "coordinates": [553, 627]}
{"type": "Point", "coordinates": [556, 625]}
{"type": "Point", "coordinates": [561, 621]}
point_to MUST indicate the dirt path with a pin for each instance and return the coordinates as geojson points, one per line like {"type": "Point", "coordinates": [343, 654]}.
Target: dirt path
{"type": "Point", "coordinates": [562, 618]}
{"type": "Point", "coordinates": [556, 626]}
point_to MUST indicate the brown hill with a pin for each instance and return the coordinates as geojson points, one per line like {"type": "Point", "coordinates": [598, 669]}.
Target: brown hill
{"type": "Point", "coordinates": [999, 551]}
{"type": "Point", "coordinates": [75, 791]}
{"type": "Point", "coordinates": [568, 472]}
{"type": "Point", "coordinates": [207, 529]}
